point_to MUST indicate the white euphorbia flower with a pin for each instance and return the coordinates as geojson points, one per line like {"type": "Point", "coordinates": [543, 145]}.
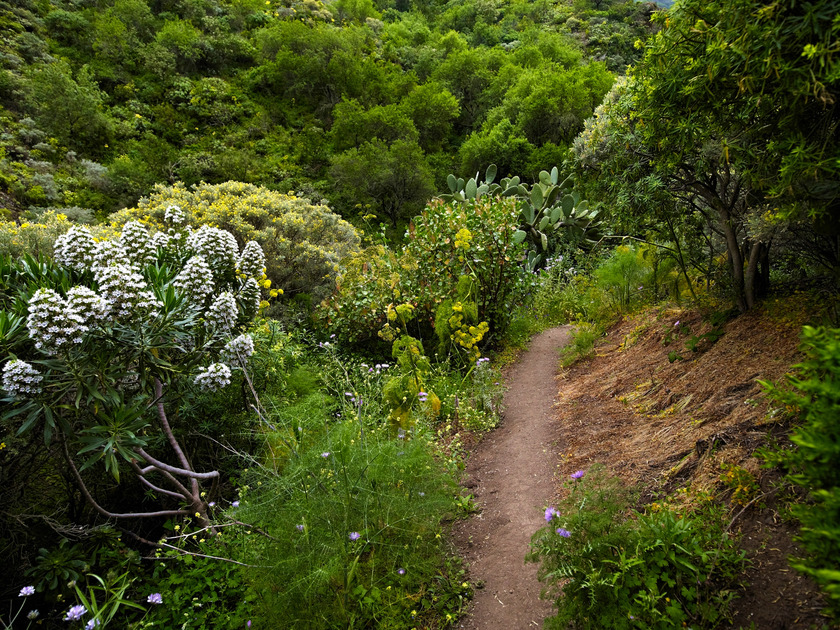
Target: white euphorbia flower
{"type": "Point", "coordinates": [19, 377]}
{"type": "Point", "coordinates": [252, 260]}
{"type": "Point", "coordinates": [137, 243]}
{"type": "Point", "coordinates": [216, 246]}
{"type": "Point", "coordinates": [238, 350]}
{"type": "Point", "coordinates": [195, 279]}
{"type": "Point", "coordinates": [223, 311]}
{"type": "Point", "coordinates": [213, 377]}
{"type": "Point", "coordinates": [75, 248]}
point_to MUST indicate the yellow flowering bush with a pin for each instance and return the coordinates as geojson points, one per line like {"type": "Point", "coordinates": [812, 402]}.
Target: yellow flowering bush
{"type": "Point", "coordinates": [35, 237]}
{"type": "Point", "coordinates": [303, 243]}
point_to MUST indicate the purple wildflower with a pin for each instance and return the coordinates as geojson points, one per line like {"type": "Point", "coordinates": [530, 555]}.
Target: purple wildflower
{"type": "Point", "coordinates": [155, 598]}
{"type": "Point", "coordinates": [577, 474]}
{"type": "Point", "coordinates": [325, 454]}
{"type": "Point", "coordinates": [401, 571]}
{"type": "Point", "coordinates": [677, 323]}
{"type": "Point", "coordinates": [299, 527]}
{"type": "Point", "coordinates": [565, 533]}
{"type": "Point", "coordinates": [354, 536]}
{"type": "Point", "coordinates": [75, 613]}
{"type": "Point", "coordinates": [235, 504]}
{"type": "Point", "coordinates": [26, 591]}
{"type": "Point", "coordinates": [550, 513]}
{"type": "Point", "coordinates": [211, 504]}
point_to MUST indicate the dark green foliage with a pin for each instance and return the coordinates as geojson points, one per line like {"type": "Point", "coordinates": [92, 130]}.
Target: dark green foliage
{"type": "Point", "coordinates": [610, 567]}
{"type": "Point", "coordinates": [814, 463]}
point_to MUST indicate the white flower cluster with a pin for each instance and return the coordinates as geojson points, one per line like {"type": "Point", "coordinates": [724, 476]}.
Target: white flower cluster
{"type": "Point", "coordinates": [126, 291]}
{"type": "Point", "coordinates": [107, 253]}
{"type": "Point", "coordinates": [249, 296]}
{"type": "Point", "coordinates": [195, 279]}
{"type": "Point", "coordinates": [75, 248]}
{"type": "Point", "coordinates": [138, 244]}
{"type": "Point", "coordinates": [161, 240]}
{"type": "Point", "coordinates": [48, 325]}
{"type": "Point", "coordinates": [223, 312]}
{"type": "Point", "coordinates": [217, 247]}
{"type": "Point", "coordinates": [252, 260]}
{"type": "Point", "coordinates": [238, 350]}
{"type": "Point", "coordinates": [174, 215]}
{"type": "Point", "coordinates": [19, 377]}
{"type": "Point", "coordinates": [214, 377]}
{"type": "Point", "coordinates": [85, 306]}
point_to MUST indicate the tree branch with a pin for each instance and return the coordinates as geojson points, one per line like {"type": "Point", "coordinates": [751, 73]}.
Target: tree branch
{"type": "Point", "coordinates": [98, 507]}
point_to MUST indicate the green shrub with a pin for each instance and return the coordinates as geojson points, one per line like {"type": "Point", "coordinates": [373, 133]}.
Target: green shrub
{"type": "Point", "coordinates": [609, 567]}
{"type": "Point", "coordinates": [622, 276]}
{"type": "Point", "coordinates": [815, 462]}
{"type": "Point", "coordinates": [446, 241]}
{"type": "Point", "coordinates": [355, 520]}
{"type": "Point", "coordinates": [303, 243]}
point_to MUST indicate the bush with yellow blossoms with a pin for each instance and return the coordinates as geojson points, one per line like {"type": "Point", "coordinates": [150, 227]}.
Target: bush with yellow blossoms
{"type": "Point", "coordinates": [303, 243]}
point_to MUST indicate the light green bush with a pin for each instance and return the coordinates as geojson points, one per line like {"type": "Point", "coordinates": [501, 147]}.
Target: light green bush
{"type": "Point", "coordinates": [303, 243]}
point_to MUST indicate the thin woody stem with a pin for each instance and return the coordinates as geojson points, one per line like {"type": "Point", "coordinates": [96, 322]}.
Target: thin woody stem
{"type": "Point", "coordinates": [164, 422]}
{"type": "Point", "coordinates": [102, 510]}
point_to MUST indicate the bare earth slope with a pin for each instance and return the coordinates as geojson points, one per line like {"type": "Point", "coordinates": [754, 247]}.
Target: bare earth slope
{"type": "Point", "coordinates": [510, 473]}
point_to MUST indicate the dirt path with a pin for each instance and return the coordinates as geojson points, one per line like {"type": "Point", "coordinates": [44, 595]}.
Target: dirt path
{"type": "Point", "coordinates": [511, 476]}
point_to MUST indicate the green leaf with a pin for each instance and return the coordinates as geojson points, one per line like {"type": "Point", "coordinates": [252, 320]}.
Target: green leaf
{"type": "Point", "coordinates": [544, 241]}
{"type": "Point", "coordinates": [568, 204]}
{"type": "Point", "coordinates": [555, 174]}
{"type": "Point", "coordinates": [471, 189]}
{"type": "Point", "coordinates": [490, 174]}
{"type": "Point", "coordinates": [537, 197]}
{"type": "Point", "coordinates": [545, 178]}
{"type": "Point", "coordinates": [518, 237]}
{"type": "Point", "coordinates": [452, 182]}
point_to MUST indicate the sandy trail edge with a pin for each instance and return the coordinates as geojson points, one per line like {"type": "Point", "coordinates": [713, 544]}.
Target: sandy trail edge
{"type": "Point", "coordinates": [511, 474]}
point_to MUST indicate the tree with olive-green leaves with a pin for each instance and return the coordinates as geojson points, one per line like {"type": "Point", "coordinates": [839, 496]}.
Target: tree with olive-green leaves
{"type": "Point", "coordinates": [394, 180]}
{"type": "Point", "coordinates": [732, 115]}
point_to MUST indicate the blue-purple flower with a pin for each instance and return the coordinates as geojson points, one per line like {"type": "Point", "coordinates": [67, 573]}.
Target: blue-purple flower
{"type": "Point", "coordinates": [577, 474]}
{"type": "Point", "coordinates": [325, 454]}
{"type": "Point", "coordinates": [565, 533]}
{"type": "Point", "coordinates": [401, 571]}
{"type": "Point", "coordinates": [26, 591]}
{"type": "Point", "coordinates": [235, 504]}
{"type": "Point", "coordinates": [354, 536]}
{"type": "Point", "coordinates": [75, 613]}
{"type": "Point", "coordinates": [155, 598]}
{"type": "Point", "coordinates": [299, 527]}
{"type": "Point", "coordinates": [550, 513]}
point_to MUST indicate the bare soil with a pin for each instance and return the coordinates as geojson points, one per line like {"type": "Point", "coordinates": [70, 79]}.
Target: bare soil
{"type": "Point", "coordinates": [664, 425]}
{"type": "Point", "coordinates": [510, 474]}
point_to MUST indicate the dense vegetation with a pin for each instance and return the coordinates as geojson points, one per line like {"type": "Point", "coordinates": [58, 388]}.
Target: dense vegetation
{"type": "Point", "coordinates": [253, 252]}
{"type": "Point", "coordinates": [369, 105]}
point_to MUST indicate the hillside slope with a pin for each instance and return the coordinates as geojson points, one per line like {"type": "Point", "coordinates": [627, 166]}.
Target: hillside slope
{"type": "Point", "coordinates": [683, 424]}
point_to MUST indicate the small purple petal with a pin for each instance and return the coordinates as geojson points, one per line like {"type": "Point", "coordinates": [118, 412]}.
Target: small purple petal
{"type": "Point", "coordinates": [401, 571]}
{"type": "Point", "coordinates": [354, 536]}
{"type": "Point", "coordinates": [26, 591]}
{"type": "Point", "coordinates": [155, 598]}
{"type": "Point", "coordinates": [325, 454]}
{"type": "Point", "coordinates": [235, 504]}
{"type": "Point", "coordinates": [565, 533]}
{"type": "Point", "coordinates": [577, 474]}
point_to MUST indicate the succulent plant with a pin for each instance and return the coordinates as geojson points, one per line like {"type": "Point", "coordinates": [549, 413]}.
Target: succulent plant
{"type": "Point", "coordinates": [545, 208]}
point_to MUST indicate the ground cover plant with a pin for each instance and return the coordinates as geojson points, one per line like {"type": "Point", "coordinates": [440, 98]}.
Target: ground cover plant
{"type": "Point", "coordinates": [608, 566]}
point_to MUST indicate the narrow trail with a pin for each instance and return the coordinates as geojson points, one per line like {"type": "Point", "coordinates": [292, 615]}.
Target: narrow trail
{"type": "Point", "coordinates": [511, 475]}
